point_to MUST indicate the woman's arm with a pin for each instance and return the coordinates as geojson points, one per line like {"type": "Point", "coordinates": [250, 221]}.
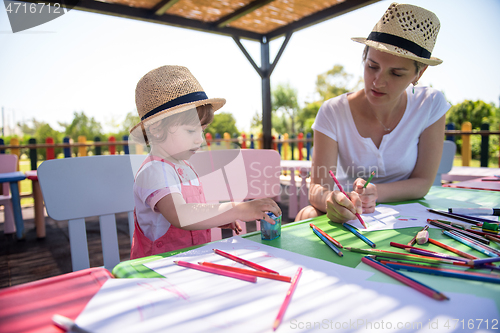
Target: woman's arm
{"type": "Point", "coordinates": [430, 148]}
{"type": "Point", "coordinates": [196, 216]}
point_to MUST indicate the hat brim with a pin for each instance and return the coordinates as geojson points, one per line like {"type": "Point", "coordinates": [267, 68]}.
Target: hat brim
{"type": "Point", "coordinates": [432, 61]}
{"type": "Point", "coordinates": [216, 103]}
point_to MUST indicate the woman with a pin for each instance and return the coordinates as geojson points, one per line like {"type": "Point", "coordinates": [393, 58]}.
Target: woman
{"type": "Point", "coordinates": [390, 127]}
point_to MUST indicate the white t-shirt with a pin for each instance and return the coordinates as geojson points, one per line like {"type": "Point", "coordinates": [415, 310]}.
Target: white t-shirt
{"type": "Point", "coordinates": [397, 155]}
{"type": "Point", "coordinates": [155, 180]}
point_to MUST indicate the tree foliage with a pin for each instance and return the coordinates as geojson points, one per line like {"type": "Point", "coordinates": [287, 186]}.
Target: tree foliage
{"type": "Point", "coordinates": [223, 122]}
{"type": "Point", "coordinates": [82, 125]}
{"type": "Point", "coordinates": [476, 112]}
{"type": "Point", "coordinates": [284, 99]}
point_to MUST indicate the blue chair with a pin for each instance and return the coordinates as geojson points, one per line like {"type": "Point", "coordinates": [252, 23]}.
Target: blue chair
{"type": "Point", "coordinates": [12, 201]}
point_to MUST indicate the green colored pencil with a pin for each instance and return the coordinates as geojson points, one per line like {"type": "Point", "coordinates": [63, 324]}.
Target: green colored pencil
{"type": "Point", "coordinates": [369, 179]}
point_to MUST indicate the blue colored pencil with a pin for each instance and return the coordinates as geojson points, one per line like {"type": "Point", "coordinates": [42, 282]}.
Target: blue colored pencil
{"type": "Point", "coordinates": [484, 261]}
{"type": "Point", "coordinates": [359, 235]}
{"type": "Point", "coordinates": [327, 242]}
{"type": "Point", "coordinates": [469, 244]}
{"type": "Point", "coordinates": [443, 272]}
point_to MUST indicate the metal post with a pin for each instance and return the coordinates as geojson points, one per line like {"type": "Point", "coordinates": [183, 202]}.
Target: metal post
{"type": "Point", "coordinates": [266, 92]}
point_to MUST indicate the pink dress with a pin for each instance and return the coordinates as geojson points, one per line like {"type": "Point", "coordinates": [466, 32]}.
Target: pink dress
{"type": "Point", "coordinates": [174, 238]}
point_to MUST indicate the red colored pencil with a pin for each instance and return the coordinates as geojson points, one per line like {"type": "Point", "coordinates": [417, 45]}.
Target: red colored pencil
{"type": "Point", "coordinates": [244, 262]}
{"type": "Point", "coordinates": [261, 274]}
{"type": "Point", "coordinates": [404, 279]}
{"type": "Point", "coordinates": [342, 190]}
{"type": "Point", "coordinates": [414, 239]}
{"type": "Point", "coordinates": [426, 252]}
{"type": "Point", "coordinates": [335, 242]}
{"type": "Point", "coordinates": [288, 298]}
{"type": "Point", "coordinates": [217, 271]}
{"type": "Point", "coordinates": [451, 249]}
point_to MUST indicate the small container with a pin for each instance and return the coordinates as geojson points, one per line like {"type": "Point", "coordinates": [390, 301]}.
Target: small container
{"type": "Point", "coordinates": [270, 231]}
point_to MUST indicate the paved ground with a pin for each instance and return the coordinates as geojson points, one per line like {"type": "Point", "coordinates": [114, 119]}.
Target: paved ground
{"type": "Point", "coordinates": [33, 259]}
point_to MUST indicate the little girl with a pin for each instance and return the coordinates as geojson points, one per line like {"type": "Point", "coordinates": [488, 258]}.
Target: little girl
{"type": "Point", "coordinates": [170, 208]}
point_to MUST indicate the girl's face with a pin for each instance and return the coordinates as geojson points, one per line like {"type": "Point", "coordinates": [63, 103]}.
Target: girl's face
{"type": "Point", "coordinates": [387, 76]}
{"type": "Point", "coordinates": [182, 141]}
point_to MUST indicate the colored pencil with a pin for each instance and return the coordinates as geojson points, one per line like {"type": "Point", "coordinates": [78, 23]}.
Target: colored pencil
{"type": "Point", "coordinates": [469, 244]}
{"type": "Point", "coordinates": [436, 255]}
{"type": "Point", "coordinates": [475, 211]}
{"type": "Point", "coordinates": [288, 298]}
{"type": "Point", "coordinates": [477, 262]}
{"type": "Point", "coordinates": [327, 242]}
{"type": "Point", "coordinates": [463, 232]}
{"type": "Point", "coordinates": [451, 249]}
{"type": "Point", "coordinates": [369, 179]}
{"type": "Point", "coordinates": [245, 271]}
{"type": "Point", "coordinates": [440, 212]}
{"type": "Point", "coordinates": [484, 246]}
{"type": "Point", "coordinates": [404, 279]}
{"type": "Point", "coordinates": [342, 190]}
{"type": "Point", "coordinates": [331, 239]}
{"type": "Point", "coordinates": [217, 271]}
{"type": "Point", "coordinates": [476, 218]}
{"type": "Point", "coordinates": [405, 256]}
{"type": "Point", "coordinates": [493, 238]}
{"type": "Point", "coordinates": [443, 271]}
{"type": "Point", "coordinates": [359, 235]}
{"type": "Point", "coordinates": [67, 324]}
{"type": "Point", "coordinates": [415, 237]}
{"type": "Point", "coordinates": [244, 262]}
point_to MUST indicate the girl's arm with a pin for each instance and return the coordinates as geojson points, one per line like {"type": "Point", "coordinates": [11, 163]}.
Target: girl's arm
{"type": "Point", "coordinates": [196, 216]}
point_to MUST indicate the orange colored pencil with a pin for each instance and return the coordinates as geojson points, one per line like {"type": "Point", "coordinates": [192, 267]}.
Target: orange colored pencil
{"type": "Point", "coordinates": [244, 262]}
{"type": "Point", "coordinates": [331, 239]}
{"type": "Point", "coordinates": [261, 274]}
{"type": "Point", "coordinates": [452, 249]}
{"type": "Point", "coordinates": [288, 298]}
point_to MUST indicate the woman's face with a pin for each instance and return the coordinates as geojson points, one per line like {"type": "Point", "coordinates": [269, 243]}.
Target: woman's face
{"type": "Point", "coordinates": [387, 76]}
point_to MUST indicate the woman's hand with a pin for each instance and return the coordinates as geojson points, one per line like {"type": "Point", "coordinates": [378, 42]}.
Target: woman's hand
{"type": "Point", "coordinates": [341, 209]}
{"type": "Point", "coordinates": [368, 195]}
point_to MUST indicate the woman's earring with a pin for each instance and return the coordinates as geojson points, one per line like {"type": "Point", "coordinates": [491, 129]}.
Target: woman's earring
{"type": "Point", "coordinates": [413, 89]}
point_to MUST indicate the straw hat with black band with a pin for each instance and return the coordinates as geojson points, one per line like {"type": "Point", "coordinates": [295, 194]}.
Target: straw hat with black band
{"type": "Point", "coordinates": [407, 31]}
{"type": "Point", "coordinates": [169, 90]}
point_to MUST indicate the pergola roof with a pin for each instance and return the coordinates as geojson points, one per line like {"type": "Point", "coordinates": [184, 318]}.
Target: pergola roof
{"type": "Point", "coordinates": [249, 19]}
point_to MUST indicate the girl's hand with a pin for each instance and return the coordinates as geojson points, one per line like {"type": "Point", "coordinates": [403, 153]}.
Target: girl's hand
{"type": "Point", "coordinates": [341, 209]}
{"type": "Point", "coordinates": [368, 195]}
{"type": "Point", "coordinates": [236, 226]}
{"type": "Point", "coordinates": [257, 209]}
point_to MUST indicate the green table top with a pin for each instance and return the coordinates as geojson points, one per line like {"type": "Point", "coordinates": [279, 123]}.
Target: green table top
{"type": "Point", "coordinates": [298, 237]}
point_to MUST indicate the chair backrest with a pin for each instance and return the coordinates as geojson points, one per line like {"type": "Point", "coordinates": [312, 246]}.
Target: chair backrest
{"type": "Point", "coordinates": [8, 163]}
{"type": "Point", "coordinates": [76, 188]}
{"type": "Point", "coordinates": [238, 175]}
{"type": "Point", "coordinates": [449, 150]}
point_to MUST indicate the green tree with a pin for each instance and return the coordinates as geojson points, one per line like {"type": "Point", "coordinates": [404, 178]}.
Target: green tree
{"type": "Point", "coordinates": [335, 82]}
{"type": "Point", "coordinates": [82, 125]}
{"type": "Point", "coordinates": [476, 112]}
{"type": "Point", "coordinates": [284, 99]}
{"type": "Point", "coordinates": [223, 122]}
{"type": "Point", "coordinates": [46, 131]}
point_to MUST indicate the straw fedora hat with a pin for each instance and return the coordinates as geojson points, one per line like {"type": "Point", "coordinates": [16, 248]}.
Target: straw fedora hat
{"type": "Point", "coordinates": [169, 90]}
{"type": "Point", "coordinates": [407, 31]}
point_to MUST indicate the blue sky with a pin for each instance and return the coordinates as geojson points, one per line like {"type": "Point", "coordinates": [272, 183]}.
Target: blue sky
{"type": "Point", "coordinates": [91, 62]}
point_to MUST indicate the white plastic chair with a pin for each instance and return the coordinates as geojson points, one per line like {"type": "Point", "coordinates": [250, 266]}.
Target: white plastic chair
{"type": "Point", "coordinates": [8, 163]}
{"type": "Point", "coordinates": [238, 175]}
{"type": "Point", "coordinates": [82, 187]}
{"type": "Point", "coordinates": [449, 150]}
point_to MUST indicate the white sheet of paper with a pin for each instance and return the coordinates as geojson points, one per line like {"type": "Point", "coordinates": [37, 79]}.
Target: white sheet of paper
{"type": "Point", "coordinates": [332, 296]}
{"type": "Point", "coordinates": [400, 216]}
